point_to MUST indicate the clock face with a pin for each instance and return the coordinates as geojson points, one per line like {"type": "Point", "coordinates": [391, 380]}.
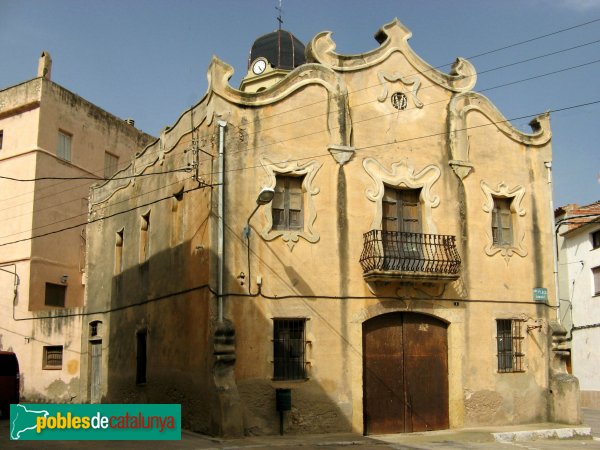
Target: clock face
{"type": "Point", "coordinates": [259, 67]}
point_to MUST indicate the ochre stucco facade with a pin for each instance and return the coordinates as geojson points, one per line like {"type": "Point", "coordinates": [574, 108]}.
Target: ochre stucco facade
{"type": "Point", "coordinates": [207, 340]}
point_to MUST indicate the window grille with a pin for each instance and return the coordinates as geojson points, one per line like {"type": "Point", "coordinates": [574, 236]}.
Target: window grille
{"type": "Point", "coordinates": [53, 356]}
{"type": "Point", "coordinates": [288, 349]}
{"type": "Point", "coordinates": [509, 340]}
{"type": "Point", "coordinates": [399, 100]}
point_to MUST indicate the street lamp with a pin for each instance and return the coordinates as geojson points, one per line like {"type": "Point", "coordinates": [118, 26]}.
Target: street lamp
{"type": "Point", "coordinates": [265, 197]}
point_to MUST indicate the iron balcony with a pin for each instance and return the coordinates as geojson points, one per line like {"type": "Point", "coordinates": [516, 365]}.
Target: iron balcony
{"type": "Point", "coordinates": [401, 256]}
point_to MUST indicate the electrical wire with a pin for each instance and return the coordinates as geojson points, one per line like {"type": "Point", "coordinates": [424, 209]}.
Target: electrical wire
{"type": "Point", "coordinates": [445, 100]}
{"type": "Point", "coordinates": [52, 206]}
{"type": "Point", "coordinates": [354, 106]}
{"type": "Point", "coordinates": [491, 88]}
{"type": "Point", "coordinates": [212, 173]}
{"type": "Point", "coordinates": [433, 135]}
{"type": "Point", "coordinates": [52, 193]}
{"type": "Point", "coordinates": [201, 186]}
{"type": "Point", "coordinates": [468, 58]}
{"type": "Point", "coordinates": [129, 177]}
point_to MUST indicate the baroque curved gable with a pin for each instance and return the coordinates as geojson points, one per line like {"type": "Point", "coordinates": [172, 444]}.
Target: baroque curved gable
{"type": "Point", "coordinates": [463, 104]}
{"type": "Point", "coordinates": [393, 37]}
{"type": "Point", "coordinates": [339, 124]}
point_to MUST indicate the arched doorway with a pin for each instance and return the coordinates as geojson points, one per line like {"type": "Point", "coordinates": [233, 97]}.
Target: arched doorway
{"type": "Point", "coordinates": [405, 373]}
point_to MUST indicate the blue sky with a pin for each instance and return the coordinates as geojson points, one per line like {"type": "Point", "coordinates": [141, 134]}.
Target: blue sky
{"type": "Point", "coordinates": [147, 59]}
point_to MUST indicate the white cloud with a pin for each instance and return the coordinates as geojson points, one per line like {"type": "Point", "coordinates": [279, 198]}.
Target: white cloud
{"type": "Point", "coordinates": [581, 5]}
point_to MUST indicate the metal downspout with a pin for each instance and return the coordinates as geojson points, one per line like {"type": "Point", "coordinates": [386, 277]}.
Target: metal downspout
{"type": "Point", "coordinates": [220, 220]}
{"type": "Point", "coordinates": [548, 165]}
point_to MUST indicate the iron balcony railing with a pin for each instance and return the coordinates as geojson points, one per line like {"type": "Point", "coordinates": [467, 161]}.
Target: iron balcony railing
{"type": "Point", "coordinates": [394, 251]}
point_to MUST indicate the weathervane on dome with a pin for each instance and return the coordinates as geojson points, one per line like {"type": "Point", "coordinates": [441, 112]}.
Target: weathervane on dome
{"type": "Point", "coordinates": [279, 18]}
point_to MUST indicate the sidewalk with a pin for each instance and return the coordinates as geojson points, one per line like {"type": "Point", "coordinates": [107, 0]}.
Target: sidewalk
{"type": "Point", "coordinates": [538, 436]}
{"type": "Point", "coordinates": [485, 437]}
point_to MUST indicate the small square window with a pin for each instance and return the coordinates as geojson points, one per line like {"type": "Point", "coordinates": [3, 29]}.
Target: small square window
{"type": "Point", "coordinates": [55, 295]}
{"type": "Point", "coordinates": [95, 328]}
{"type": "Point", "coordinates": [596, 276]}
{"type": "Point", "coordinates": [53, 357]}
{"type": "Point", "coordinates": [509, 340]}
{"type": "Point", "coordinates": [596, 239]}
{"type": "Point", "coordinates": [111, 164]}
{"type": "Point", "coordinates": [64, 146]}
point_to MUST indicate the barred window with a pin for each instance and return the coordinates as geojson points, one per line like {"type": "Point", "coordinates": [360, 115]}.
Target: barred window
{"type": "Point", "coordinates": [53, 356]}
{"type": "Point", "coordinates": [288, 349]}
{"type": "Point", "coordinates": [509, 340]}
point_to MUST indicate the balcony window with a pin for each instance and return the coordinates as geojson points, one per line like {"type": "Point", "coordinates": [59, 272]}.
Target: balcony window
{"type": "Point", "coordinates": [400, 250]}
{"type": "Point", "coordinates": [401, 210]}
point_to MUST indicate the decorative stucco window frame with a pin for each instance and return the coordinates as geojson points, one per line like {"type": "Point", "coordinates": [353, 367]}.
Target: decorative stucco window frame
{"type": "Point", "coordinates": [518, 212]}
{"type": "Point", "coordinates": [309, 190]}
{"type": "Point", "coordinates": [403, 175]}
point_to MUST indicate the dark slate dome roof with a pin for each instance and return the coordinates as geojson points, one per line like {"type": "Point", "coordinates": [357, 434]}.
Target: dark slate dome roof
{"type": "Point", "coordinates": [281, 48]}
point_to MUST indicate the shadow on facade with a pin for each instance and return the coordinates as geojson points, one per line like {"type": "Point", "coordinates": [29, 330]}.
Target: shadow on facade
{"type": "Point", "coordinates": [161, 349]}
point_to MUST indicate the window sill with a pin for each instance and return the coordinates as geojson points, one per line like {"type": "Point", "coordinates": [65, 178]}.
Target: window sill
{"type": "Point", "coordinates": [51, 368]}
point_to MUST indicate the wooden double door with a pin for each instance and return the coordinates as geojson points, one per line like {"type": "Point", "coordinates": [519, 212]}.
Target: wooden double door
{"type": "Point", "coordinates": [405, 373]}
